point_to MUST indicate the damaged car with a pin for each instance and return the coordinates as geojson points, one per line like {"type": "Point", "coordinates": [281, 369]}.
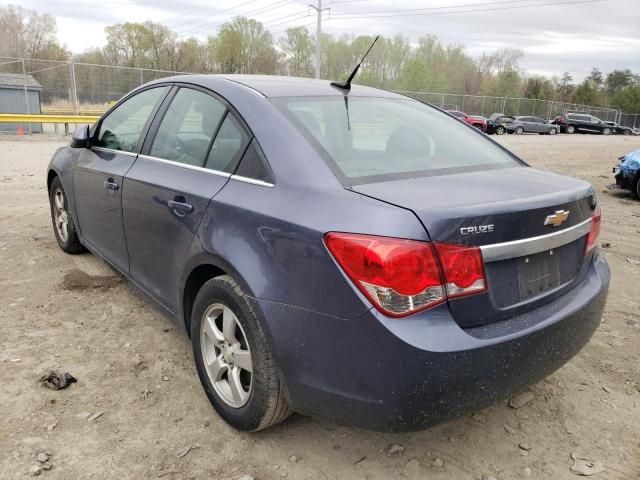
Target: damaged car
{"type": "Point", "coordinates": [627, 173]}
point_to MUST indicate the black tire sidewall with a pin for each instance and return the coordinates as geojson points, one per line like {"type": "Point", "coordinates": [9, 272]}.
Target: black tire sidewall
{"type": "Point", "coordinates": [218, 290]}
{"type": "Point", "coordinates": [500, 130]}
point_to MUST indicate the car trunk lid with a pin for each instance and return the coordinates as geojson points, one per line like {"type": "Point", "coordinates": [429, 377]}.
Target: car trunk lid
{"type": "Point", "coordinates": [516, 215]}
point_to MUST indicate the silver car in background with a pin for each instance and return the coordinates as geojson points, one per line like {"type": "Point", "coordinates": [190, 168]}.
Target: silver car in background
{"type": "Point", "coordinates": [523, 124]}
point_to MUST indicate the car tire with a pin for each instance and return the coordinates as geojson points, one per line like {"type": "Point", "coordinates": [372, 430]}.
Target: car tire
{"type": "Point", "coordinates": [478, 126]}
{"type": "Point", "coordinates": [570, 129]}
{"type": "Point", "coordinates": [518, 131]}
{"type": "Point", "coordinates": [635, 191]}
{"type": "Point", "coordinates": [242, 383]}
{"type": "Point", "coordinates": [64, 227]}
{"type": "Point", "coordinates": [606, 131]}
{"type": "Point", "coordinates": [500, 130]}
{"type": "Point", "coordinates": [552, 131]}
{"type": "Point", "coordinates": [626, 132]}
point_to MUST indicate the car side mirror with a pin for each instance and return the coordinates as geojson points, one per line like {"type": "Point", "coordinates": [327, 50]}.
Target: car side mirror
{"type": "Point", "coordinates": [81, 137]}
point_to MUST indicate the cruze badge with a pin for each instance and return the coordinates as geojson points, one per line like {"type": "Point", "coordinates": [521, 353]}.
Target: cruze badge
{"type": "Point", "coordinates": [476, 229]}
{"type": "Point", "coordinates": [557, 218]}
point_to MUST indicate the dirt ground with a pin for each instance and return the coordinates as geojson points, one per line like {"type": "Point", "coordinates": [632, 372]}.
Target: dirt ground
{"type": "Point", "coordinates": [137, 410]}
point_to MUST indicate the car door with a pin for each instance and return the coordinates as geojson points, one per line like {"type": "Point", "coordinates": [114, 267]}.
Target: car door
{"type": "Point", "coordinates": [99, 170]}
{"type": "Point", "coordinates": [194, 145]}
{"type": "Point", "coordinates": [538, 125]}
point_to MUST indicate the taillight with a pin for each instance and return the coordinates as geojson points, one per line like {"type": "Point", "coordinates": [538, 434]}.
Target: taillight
{"type": "Point", "coordinates": [401, 277]}
{"type": "Point", "coordinates": [594, 232]}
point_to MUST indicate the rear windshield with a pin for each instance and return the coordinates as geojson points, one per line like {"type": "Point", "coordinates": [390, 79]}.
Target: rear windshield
{"type": "Point", "coordinates": [369, 139]}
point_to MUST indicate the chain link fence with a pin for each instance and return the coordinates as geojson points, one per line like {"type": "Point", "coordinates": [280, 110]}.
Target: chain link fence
{"type": "Point", "coordinates": [46, 86]}
{"type": "Point", "coordinates": [487, 105]}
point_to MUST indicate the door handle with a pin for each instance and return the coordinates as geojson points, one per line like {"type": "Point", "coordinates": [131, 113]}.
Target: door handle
{"type": "Point", "coordinates": [111, 185]}
{"type": "Point", "coordinates": [180, 208]}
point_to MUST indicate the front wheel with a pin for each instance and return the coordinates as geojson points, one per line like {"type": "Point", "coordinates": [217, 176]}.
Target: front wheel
{"type": "Point", "coordinates": [636, 187]}
{"type": "Point", "coordinates": [233, 358]}
{"type": "Point", "coordinates": [626, 132]}
{"type": "Point", "coordinates": [500, 130]}
{"type": "Point", "coordinates": [519, 131]}
{"type": "Point", "coordinates": [64, 227]}
{"type": "Point", "coordinates": [552, 131]}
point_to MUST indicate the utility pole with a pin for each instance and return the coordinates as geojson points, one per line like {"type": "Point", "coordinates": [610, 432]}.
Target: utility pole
{"type": "Point", "coordinates": [319, 11]}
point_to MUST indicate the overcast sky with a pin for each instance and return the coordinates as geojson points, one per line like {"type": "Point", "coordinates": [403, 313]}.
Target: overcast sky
{"type": "Point", "coordinates": [555, 35]}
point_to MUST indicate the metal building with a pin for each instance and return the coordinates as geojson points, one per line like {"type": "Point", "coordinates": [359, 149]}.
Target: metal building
{"type": "Point", "coordinates": [19, 94]}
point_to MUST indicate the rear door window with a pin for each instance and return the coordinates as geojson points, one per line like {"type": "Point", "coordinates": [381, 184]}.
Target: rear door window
{"type": "Point", "coordinates": [228, 147]}
{"type": "Point", "coordinates": [366, 139]}
{"type": "Point", "coordinates": [122, 128]}
{"type": "Point", "coordinates": [188, 127]}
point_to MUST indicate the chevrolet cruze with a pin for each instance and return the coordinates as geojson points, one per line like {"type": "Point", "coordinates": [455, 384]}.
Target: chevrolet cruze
{"type": "Point", "coordinates": [343, 252]}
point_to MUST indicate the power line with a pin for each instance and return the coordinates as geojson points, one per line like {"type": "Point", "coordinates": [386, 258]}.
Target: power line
{"type": "Point", "coordinates": [264, 9]}
{"type": "Point", "coordinates": [213, 14]}
{"type": "Point", "coordinates": [358, 15]}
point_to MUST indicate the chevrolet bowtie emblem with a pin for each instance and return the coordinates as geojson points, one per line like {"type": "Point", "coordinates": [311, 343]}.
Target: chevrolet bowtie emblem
{"type": "Point", "coordinates": [557, 218]}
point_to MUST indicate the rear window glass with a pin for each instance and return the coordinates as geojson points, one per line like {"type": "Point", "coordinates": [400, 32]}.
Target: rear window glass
{"type": "Point", "coordinates": [369, 139]}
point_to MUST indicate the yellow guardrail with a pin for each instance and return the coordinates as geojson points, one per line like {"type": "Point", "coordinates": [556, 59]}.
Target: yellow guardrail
{"type": "Point", "coordinates": [63, 111]}
{"type": "Point", "coordinates": [24, 118]}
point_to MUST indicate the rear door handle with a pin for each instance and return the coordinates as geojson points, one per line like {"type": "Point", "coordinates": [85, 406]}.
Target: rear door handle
{"type": "Point", "coordinates": [110, 184]}
{"type": "Point", "coordinates": [179, 207]}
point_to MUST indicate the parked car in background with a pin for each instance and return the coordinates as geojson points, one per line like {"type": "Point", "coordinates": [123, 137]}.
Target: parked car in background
{"type": "Point", "coordinates": [627, 173]}
{"type": "Point", "coordinates": [581, 123]}
{"type": "Point", "coordinates": [620, 129]}
{"type": "Point", "coordinates": [498, 123]}
{"type": "Point", "coordinates": [524, 124]}
{"type": "Point", "coordinates": [479, 123]}
{"type": "Point", "coordinates": [354, 254]}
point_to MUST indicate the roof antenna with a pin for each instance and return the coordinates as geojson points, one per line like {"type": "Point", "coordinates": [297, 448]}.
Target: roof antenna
{"type": "Point", "coordinates": [347, 85]}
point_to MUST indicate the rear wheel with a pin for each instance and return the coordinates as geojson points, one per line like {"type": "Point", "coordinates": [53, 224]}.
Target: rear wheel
{"type": "Point", "coordinates": [636, 187]}
{"type": "Point", "coordinates": [606, 131]}
{"type": "Point", "coordinates": [233, 358]}
{"type": "Point", "coordinates": [500, 130]}
{"type": "Point", "coordinates": [64, 227]}
{"type": "Point", "coordinates": [570, 129]}
{"type": "Point", "coordinates": [478, 126]}
{"type": "Point", "coordinates": [626, 132]}
{"type": "Point", "coordinates": [519, 131]}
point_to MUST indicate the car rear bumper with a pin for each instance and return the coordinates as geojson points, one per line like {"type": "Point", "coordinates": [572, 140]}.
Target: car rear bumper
{"type": "Point", "coordinates": [399, 375]}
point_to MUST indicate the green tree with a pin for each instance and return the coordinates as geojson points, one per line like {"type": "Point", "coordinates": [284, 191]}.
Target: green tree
{"type": "Point", "coordinates": [298, 48]}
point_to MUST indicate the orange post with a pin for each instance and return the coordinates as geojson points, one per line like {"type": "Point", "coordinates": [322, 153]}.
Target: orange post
{"type": "Point", "coordinates": [20, 131]}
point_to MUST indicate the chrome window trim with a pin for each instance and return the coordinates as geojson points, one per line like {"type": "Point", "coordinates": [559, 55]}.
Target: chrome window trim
{"type": "Point", "coordinates": [111, 150]}
{"type": "Point", "coordinates": [252, 181]}
{"type": "Point", "coordinates": [530, 246]}
{"type": "Point", "coordinates": [185, 165]}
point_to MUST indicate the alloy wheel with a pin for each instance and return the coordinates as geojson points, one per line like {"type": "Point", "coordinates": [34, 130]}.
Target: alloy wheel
{"type": "Point", "coordinates": [606, 131]}
{"type": "Point", "coordinates": [552, 131]}
{"type": "Point", "coordinates": [500, 130]}
{"type": "Point", "coordinates": [226, 355]}
{"type": "Point", "coordinates": [60, 215]}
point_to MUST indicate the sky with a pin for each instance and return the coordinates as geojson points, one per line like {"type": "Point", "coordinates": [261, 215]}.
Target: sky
{"type": "Point", "coordinates": [555, 35]}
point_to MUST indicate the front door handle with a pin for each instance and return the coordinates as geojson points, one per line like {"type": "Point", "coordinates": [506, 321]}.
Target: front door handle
{"type": "Point", "coordinates": [111, 185]}
{"type": "Point", "coordinates": [179, 206]}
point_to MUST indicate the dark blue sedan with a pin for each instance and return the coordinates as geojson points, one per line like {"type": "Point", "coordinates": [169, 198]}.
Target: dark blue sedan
{"type": "Point", "coordinates": [353, 254]}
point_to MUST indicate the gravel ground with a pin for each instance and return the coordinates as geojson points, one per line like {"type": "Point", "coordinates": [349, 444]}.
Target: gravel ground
{"type": "Point", "coordinates": [137, 410]}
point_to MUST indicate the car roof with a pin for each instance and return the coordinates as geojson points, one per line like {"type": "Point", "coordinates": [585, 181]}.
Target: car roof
{"type": "Point", "coordinates": [280, 86]}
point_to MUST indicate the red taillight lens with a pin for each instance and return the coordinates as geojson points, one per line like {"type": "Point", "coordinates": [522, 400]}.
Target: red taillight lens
{"type": "Point", "coordinates": [401, 277]}
{"type": "Point", "coordinates": [592, 238]}
{"type": "Point", "coordinates": [463, 269]}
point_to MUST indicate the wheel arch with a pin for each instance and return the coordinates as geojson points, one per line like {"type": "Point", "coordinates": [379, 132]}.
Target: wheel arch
{"type": "Point", "coordinates": [51, 174]}
{"type": "Point", "coordinates": [198, 271]}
